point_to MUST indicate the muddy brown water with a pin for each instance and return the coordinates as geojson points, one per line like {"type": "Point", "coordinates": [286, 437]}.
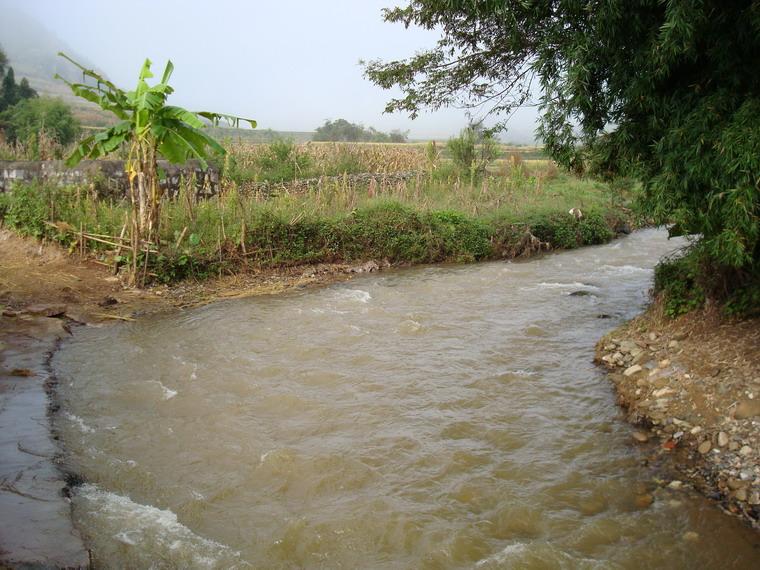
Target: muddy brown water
{"type": "Point", "coordinates": [439, 417]}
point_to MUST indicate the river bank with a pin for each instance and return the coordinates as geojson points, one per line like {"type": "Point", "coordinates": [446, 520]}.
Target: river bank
{"type": "Point", "coordinates": [47, 289]}
{"type": "Point", "coordinates": [692, 386]}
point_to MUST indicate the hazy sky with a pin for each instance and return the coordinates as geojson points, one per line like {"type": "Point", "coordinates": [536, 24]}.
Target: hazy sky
{"type": "Point", "coordinates": [289, 64]}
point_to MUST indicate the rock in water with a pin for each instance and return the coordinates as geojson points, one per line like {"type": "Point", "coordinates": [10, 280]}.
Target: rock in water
{"type": "Point", "coordinates": [640, 436]}
{"type": "Point", "coordinates": [644, 501]}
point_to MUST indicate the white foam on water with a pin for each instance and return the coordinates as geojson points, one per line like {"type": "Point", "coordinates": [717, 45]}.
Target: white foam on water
{"type": "Point", "coordinates": [83, 427]}
{"type": "Point", "coordinates": [553, 285]}
{"type": "Point", "coordinates": [503, 555]}
{"type": "Point", "coordinates": [319, 311]}
{"type": "Point", "coordinates": [356, 295]}
{"type": "Point", "coordinates": [624, 269]}
{"type": "Point", "coordinates": [167, 393]}
{"type": "Point", "coordinates": [155, 532]}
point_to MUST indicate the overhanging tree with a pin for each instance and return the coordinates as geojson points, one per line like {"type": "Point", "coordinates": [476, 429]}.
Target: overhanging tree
{"type": "Point", "coordinates": [148, 128]}
{"type": "Point", "coordinates": [666, 91]}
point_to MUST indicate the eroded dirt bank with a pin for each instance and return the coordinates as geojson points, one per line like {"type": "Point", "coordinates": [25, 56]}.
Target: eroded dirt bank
{"type": "Point", "coordinates": [692, 386]}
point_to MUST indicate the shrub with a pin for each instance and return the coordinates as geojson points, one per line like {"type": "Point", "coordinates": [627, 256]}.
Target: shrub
{"type": "Point", "coordinates": [460, 237]}
{"type": "Point", "coordinates": [473, 150]}
{"type": "Point", "coordinates": [25, 120]}
{"type": "Point", "coordinates": [26, 208]}
{"type": "Point", "coordinates": [282, 162]}
{"type": "Point", "coordinates": [677, 279]}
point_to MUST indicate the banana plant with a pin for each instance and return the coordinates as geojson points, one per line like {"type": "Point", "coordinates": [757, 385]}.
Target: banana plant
{"type": "Point", "coordinates": [149, 128]}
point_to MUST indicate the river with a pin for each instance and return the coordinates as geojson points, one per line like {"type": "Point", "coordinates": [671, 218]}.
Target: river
{"type": "Point", "coordinates": [435, 417]}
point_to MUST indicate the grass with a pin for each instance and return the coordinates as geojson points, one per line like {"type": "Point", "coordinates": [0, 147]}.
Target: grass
{"type": "Point", "coordinates": [516, 208]}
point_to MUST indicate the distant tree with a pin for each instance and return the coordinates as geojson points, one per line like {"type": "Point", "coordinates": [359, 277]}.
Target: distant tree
{"type": "Point", "coordinates": [26, 119]}
{"type": "Point", "coordinates": [397, 136]}
{"type": "Point", "coordinates": [8, 90]}
{"type": "Point", "coordinates": [3, 62]}
{"type": "Point", "coordinates": [25, 91]}
{"type": "Point", "coordinates": [340, 130]}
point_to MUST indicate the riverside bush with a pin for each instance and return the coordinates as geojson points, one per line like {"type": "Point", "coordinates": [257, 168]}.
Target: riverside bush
{"type": "Point", "coordinates": [676, 278]}
{"type": "Point", "coordinates": [423, 221]}
{"type": "Point", "coordinates": [26, 209]}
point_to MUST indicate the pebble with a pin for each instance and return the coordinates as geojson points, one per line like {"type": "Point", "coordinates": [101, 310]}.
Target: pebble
{"type": "Point", "coordinates": [675, 484]}
{"type": "Point", "coordinates": [653, 336]}
{"type": "Point", "coordinates": [733, 446]}
{"type": "Point", "coordinates": [745, 450]}
{"type": "Point", "coordinates": [705, 446]}
{"type": "Point", "coordinates": [741, 494]}
{"type": "Point", "coordinates": [691, 536]}
{"type": "Point", "coordinates": [640, 436]}
{"type": "Point", "coordinates": [664, 363]}
{"type": "Point", "coordinates": [747, 409]}
{"type": "Point", "coordinates": [46, 310]}
{"type": "Point", "coordinates": [643, 501]}
{"type": "Point", "coordinates": [722, 439]}
{"type": "Point", "coordinates": [695, 430]}
{"type": "Point", "coordinates": [673, 344]}
{"type": "Point", "coordinates": [631, 370]}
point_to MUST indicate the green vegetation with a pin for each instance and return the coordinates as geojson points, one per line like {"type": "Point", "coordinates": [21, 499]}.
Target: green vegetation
{"type": "Point", "coordinates": [30, 119]}
{"type": "Point", "coordinates": [341, 130]}
{"type": "Point", "coordinates": [12, 93]}
{"type": "Point", "coordinates": [662, 92]}
{"type": "Point", "coordinates": [423, 221]}
{"type": "Point", "coordinates": [31, 127]}
{"type": "Point", "coordinates": [678, 279]}
{"type": "Point", "coordinates": [473, 150]}
{"type": "Point", "coordinates": [147, 126]}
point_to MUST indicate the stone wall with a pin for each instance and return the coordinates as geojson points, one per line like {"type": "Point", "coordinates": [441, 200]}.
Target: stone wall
{"type": "Point", "coordinates": [107, 177]}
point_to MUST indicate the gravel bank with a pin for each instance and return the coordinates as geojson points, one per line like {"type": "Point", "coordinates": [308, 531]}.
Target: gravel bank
{"type": "Point", "coordinates": [692, 385]}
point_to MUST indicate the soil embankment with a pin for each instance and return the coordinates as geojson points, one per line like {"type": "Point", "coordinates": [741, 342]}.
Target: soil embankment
{"type": "Point", "coordinates": [692, 385]}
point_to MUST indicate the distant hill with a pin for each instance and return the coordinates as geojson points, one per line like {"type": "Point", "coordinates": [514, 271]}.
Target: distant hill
{"type": "Point", "coordinates": [32, 50]}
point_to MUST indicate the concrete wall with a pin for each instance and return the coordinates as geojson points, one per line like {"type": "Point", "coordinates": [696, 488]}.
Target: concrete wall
{"type": "Point", "coordinates": [107, 177]}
